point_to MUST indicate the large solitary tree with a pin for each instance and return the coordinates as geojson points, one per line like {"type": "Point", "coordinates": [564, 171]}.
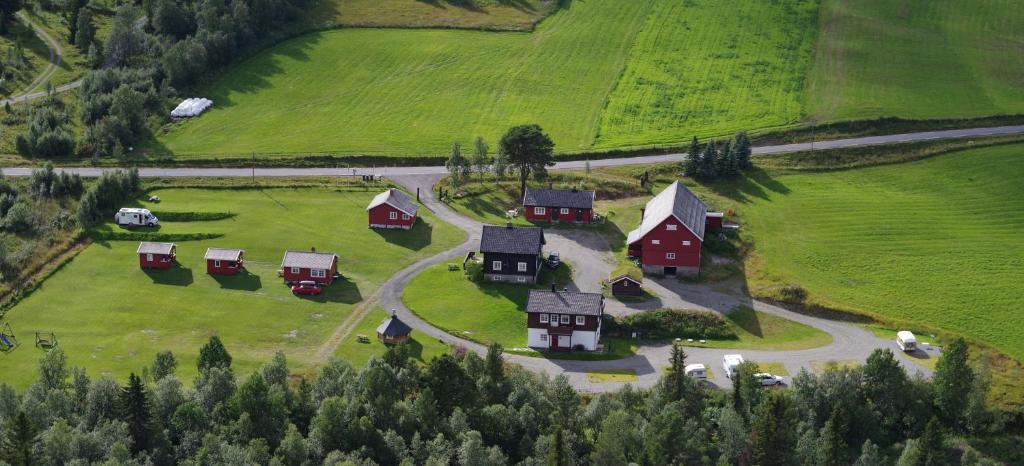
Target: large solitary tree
{"type": "Point", "coordinates": [529, 151]}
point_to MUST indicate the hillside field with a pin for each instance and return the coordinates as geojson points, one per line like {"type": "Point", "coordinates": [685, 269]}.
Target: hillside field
{"type": "Point", "coordinates": [502, 15]}
{"type": "Point", "coordinates": [111, 317]}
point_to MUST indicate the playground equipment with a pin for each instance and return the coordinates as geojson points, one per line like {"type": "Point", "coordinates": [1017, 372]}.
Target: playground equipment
{"type": "Point", "coordinates": [46, 339]}
{"type": "Point", "coordinates": [7, 338]}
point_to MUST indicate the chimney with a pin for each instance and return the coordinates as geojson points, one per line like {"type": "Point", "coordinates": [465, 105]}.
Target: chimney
{"type": "Point", "coordinates": [508, 225]}
{"type": "Point", "coordinates": [553, 290]}
{"type": "Point", "coordinates": [575, 190]}
{"type": "Point", "coordinates": [642, 210]}
{"type": "Point", "coordinates": [312, 249]}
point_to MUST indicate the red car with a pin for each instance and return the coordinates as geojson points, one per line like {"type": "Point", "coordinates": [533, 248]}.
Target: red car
{"type": "Point", "coordinates": [307, 287]}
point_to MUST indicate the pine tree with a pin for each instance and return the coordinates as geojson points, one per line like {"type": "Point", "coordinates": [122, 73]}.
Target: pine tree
{"type": "Point", "coordinates": [556, 454]}
{"type": "Point", "coordinates": [709, 162]}
{"type": "Point", "coordinates": [19, 442]}
{"type": "Point", "coordinates": [135, 412]}
{"type": "Point", "coordinates": [691, 164]}
{"type": "Point", "coordinates": [773, 435]}
{"type": "Point", "coordinates": [953, 380]}
{"type": "Point", "coordinates": [213, 354]}
{"type": "Point", "coordinates": [870, 455]}
{"type": "Point", "coordinates": [85, 32]}
{"type": "Point", "coordinates": [741, 144]}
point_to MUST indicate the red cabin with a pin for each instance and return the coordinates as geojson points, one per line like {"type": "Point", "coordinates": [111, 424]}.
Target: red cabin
{"type": "Point", "coordinates": [320, 267]}
{"type": "Point", "coordinates": [157, 255]}
{"type": "Point", "coordinates": [714, 221]}
{"type": "Point", "coordinates": [671, 233]}
{"type": "Point", "coordinates": [558, 205]}
{"type": "Point", "coordinates": [392, 209]}
{"type": "Point", "coordinates": [224, 261]}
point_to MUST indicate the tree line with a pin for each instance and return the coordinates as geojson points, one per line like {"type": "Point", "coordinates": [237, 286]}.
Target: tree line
{"type": "Point", "coordinates": [463, 409]}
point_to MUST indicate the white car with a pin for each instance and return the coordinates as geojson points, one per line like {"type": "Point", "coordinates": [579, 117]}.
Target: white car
{"type": "Point", "coordinates": [767, 380]}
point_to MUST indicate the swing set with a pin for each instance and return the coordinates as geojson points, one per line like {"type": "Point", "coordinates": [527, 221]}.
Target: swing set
{"type": "Point", "coordinates": [7, 339]}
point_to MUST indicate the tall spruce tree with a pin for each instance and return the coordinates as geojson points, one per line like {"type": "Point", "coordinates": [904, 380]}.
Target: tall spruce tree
{"type": "Point", "coordinates": [691, 164]}
{"type": "Point", "coordinates": [709, 162]}
{"type": "Point", "coordinates": [19, 441]}
{"type": "Point", "coordinates": [213, 354]}
{"type": "Point", "coordinates": [135, 412]}
{"type": "Point", "coordinates": [773, 434]}
{"type": "Point", "coordinates": [741, 144]}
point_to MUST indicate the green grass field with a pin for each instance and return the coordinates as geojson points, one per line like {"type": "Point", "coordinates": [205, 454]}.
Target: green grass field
{"type": "Point", "coordinates": [111, 317]}
{"type": "Point", "coordinates": [917, 59]}
{"type": "Point", "coordinates": [936, 242]}
{"type": "Point", "coordinates": [499, 15]}
{"type": "Point", "coordinates": [762, 331]}
{"type": "Point", "coordinates": [422, 347]}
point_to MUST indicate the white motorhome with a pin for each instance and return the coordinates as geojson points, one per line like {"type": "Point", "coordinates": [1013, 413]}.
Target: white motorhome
{"type": "Point", "coordinates": [697, 371]}
{"type": "Point", "coordinates": [128, 216]}
{"type": "Point", "coordinates": [906, 341]}
{"type": "Point", "coordinates": [730, 363]}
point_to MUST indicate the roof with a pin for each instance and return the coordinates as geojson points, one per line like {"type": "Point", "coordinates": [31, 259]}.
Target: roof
{"type": "Point", "coordinates": [675, 201]}
{"type": "Point", "coordinates": [219, 254]}
{"type": "Point", "coordinates": [625, 276]}
{"type": "Point", "coordinates": [905, 335]}
{"type": "Point", "coordinates": [565, 302]}
{"type": "Point", "coordinates": [133, 210]}
{"type": "Point", "coordinates": [511, 240]}
{"type": "Point", "coordinates": [393, 327]}
{"type": "Point", "coordinates": [571, 198]}
{"type": "Point", "coordinates": [396, 199]}
{"type": "Point", "coordinates": [308, 260]}
{"type": "Point", "coordinates": [146, 247]}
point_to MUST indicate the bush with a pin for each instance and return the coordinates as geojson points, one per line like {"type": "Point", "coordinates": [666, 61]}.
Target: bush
{"type": "Point", "coordinates": [21, 218]}
{"type": "Point", "coordinates": [106, 196]}
{"type": "Point", "coordinates": [793, 294]}
{"type": "Point", "coordinates": [475, 271]}
{"type": "Point", "coordinates": [674, 323]}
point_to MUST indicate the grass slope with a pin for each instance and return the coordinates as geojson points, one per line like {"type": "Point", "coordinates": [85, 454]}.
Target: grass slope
{"type": "Point", "coordinates": [763, 331]}
{"type": "Point", "coordinates": [917, 59]}
{"type": "Point", "coordinates": [111, 317]}
{"type": "Point", "coordinates": [504, 15]}
{"type": "Point", "coordinates": [374, 91]}
{"type": "Point", "coordinates": [935, 241]}
{"type": "Point", "coordinates": [698, 70]}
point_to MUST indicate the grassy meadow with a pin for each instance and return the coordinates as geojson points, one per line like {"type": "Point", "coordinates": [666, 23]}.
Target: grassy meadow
{"type": "Point", "coordinates": [111, 317]}
{"type": "Point", "coordinates": [499, 15]}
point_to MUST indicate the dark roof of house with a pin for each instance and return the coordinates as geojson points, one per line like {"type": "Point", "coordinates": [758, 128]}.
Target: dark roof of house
{"type": "Point", "coordinates": [675, 201]}
{"type": "Point", "coordinates": [146, 247]}
{"type": "Point", "coordinates": [308, 260]}
{"type": "Point", "coordinates": [511, 240]}
{"type": "Point", "coordinates": [565, 302]}
{"type": "Point", "coordinates": [393, 327]}
{"type": "Point", "coordinates": [571, 198]}
{"type": "Point", "coordinates": [396, 199]}
{"type": "Point", "coordinates": [625, 276]}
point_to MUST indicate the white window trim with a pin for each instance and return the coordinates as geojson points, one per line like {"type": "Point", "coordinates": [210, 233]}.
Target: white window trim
{"type": "Point", "coordinates": [295, 270]}
{"type": "Point", "coordinates": [565, 211]}
{"type": "Point", "coordinates": [216, 263]}
{"type": "Point", "coordinates": [149, 258]}
{"type": "Point", "coordinates": [521, 279]}
{"type": "Point", "coordinates": [565, 319]}
{"type": "Point", "coordinates": [522, 266]}
{"type": "Point", "coordinates": [670, 255]}
{"type": "Point", "coordinates": [686, 243]}
{"type": "Point", "coordinates": [405, 217]}
{"type": "Point", "coordinates": [671, 227]}
{"type": "Point", "coordinates": [539, 211]}
{"type": "Point", "coordinates": [655, 241]}
{"type": "Point", "coordinates": [554, 320]}
{"type": "Point", "coordinates": [543, 318]}
{"type": "Point", "coordinates": [580, 320]}
{"type": "Point", "coordinates": [318, 273]}
{"type": "Point", "coordinates": [393, 215]}
{"type": "Point", "coordinates": [495, 265]}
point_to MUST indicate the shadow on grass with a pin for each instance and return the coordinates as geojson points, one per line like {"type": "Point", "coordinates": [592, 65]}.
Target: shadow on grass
{"type": "Point", "coordinates": [755, 183]}
{"type": "Point", "coordinates": [174, 276]}
{"type": "Point", "coordinates": [342, 290]}
{"type": "Point", "coordinates": [561, 277]}
{"type": "Point", "coordinates": [416, 238]}
{"type": "Point", "coordinates": [244, 281]}
{"type": "Point", "coordinates": [746, 318]}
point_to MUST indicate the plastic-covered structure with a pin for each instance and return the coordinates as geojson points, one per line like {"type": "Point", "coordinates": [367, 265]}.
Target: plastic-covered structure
{"type": "Point", "coordinates": [191, 107]}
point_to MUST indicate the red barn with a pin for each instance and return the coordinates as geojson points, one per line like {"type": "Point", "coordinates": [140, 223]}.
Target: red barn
{"type": "Point", "coordinates": [316, 266]}
{"type": "Point", "coordinates": [157, 255]}
{"type": "Point", "coordinates": [671, 233]}
{"type": "Point", "coordinates": [392, 209]}
{"type": "Point", "coordinates": [558, 205]}
{"type": "Point", "coordinates": [224, 261]}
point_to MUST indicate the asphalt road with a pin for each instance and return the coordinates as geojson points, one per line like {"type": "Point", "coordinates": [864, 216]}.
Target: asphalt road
{"type": "Point", "coordinates": [435, 170]}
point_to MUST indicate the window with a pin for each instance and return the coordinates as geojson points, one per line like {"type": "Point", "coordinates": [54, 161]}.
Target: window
{"type": "Point", "coordinates": [216, 263]}
{"type": "Point", "coordinates": [149, 258]}
{"type": "Point", "coordinates": [405, 216]}
{"type": "Point", "coordinates": [565, 319]}
{"type": "Point", "coordinates": [318, 273]}
{"type": "Point", "coordinates": [655, 241]}
{"type": "Point", "coordinates": [543, 318]}
{"type": "Point", "coordinates": [522, 266]}
{"type": "Point", "coordinates": [495, 265]}
{"type": "Point", "coordinates": [554, 320]}
{"type": "Point", "coordinates": [543, 337]}
{"type": "Point", "coordinates": [393, 215]}
{"type": "Point", "coordinates": [521, 279]}
{"type": "Point", "coordinates": [671, 227]}
{"type": "Point", "coordinates": [295, 270]}
{"type": "Point", "coordinates": [580, 320]}
{"type": "Point", "coordinates": [565, 211]}
{"type": "Point", "coordinates": [539, 211]}
{"type": "Point", "coordinates": [686, 243]}
{"type": "Point", "coordinates": [670, 255]}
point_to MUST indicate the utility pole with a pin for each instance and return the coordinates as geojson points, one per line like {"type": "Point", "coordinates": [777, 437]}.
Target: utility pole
{"type": "Point", "coordinates": [254, 169]}
{"type": "Point", "coordinates": [813, 124]}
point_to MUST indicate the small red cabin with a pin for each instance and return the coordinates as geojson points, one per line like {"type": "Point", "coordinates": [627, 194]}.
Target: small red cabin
{"type": "Point", "coordinates": [713, 221]}
{"type": "Point", "coordinates": [320, 267]}
{"type": "Point", "coordinates": [157, 255]}
{"type": "Point", "coordinates": [392, 209]}
{"type": "Point", "coordinates": [224, 261]}
{"type": "Point", "coordinates": [558, 205]}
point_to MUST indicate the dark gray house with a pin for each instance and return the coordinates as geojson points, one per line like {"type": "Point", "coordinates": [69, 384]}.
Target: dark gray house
{"type": "Point", "coordinates": [512, 254]}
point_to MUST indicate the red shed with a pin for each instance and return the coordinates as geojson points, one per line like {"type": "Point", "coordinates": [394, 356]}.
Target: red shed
{"type": "Point", "coordinates": [157, 255]}
{"type": "Point", "coordinates": [309, 265]}
{"type": "Point", "coordinates": [671, 233]}
{"type": "Point", "coordinates": [224, 261]}
{"type": "Point", "coordinates": [714, 220]}
{"type": "Point", "coordinates": [558, 205]}
{"type": "Point", "coordinates": [392, 209]}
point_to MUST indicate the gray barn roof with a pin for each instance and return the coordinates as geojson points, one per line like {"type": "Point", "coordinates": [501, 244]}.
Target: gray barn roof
{"type": "Point", "coordinates": [396, 199]}
{"type": "Point", "coordinates": [565, 302]}
{"type": "Point", "coordinates": [393, 327]}
{"type": "Point", "coordinates": [219, 254]}
{"type": "Point", "coordinates": [570, 198]}
{"type": "Point", "coordinates": [308, 260]}
{"type": "Point", "coordinates": [675, 201]}
{"type": "Point", "coordinates": [511, 240]}
{"type": "Point", "coordinates": [146, 247]}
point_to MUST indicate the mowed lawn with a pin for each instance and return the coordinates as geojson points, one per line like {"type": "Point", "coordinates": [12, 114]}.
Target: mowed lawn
{"type": "Point", "coordinates": [111, 317]}
{"type": "Point", "coordinates": [478, 14]}
{"type": "Point", "coordinates": [918, 59]}
{"type": "Point", "coordinates": [936, 242]}
{"type": "Point", "coordinates": [709, 68]}
{"type": "Point", "coordinates": [402, 92]}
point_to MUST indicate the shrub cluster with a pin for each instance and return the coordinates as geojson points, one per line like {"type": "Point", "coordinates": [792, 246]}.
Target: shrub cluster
{"type": "Point", "coordinates": [111, 190]}
{"type": "Point", "coordinates": [48, 134]}
{"type": "Point", "coordinates": [46, 182]}
{"type": "Point", "coordinates": [712, 161]}
{"type": "Point", "coordinates": [674, 323]}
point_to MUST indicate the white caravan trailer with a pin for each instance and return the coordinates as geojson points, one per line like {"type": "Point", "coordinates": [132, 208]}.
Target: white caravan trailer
{"type": "Point", "coordinates": [730, 363]}
{"type": "Point", "coordinates": [128, 216]}
{"type": "Point", "coordinates": [906, 341]}
{"type": "Point", "coordinates": [696, 371]}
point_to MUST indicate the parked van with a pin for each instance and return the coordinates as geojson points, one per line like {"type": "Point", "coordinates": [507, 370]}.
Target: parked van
{"type": "Point", "coordinates": [132, 217]}
{"type": "Point", "coordinates": [697, 371]}
{"type": "Point", "coordinates": [906, 341]}
{"type": "Point", "coordinates": [730, 363]}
